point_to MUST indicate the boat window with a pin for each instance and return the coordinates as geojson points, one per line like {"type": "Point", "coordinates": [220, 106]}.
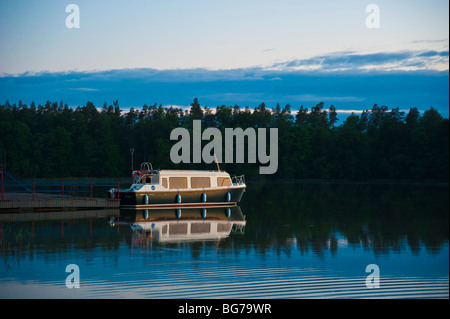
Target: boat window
{"type": "Point", "coordinates": [200, 228]}
{"type": "Point", "coordinates": [164, 182]}
{"type": "Point", "coordinates": [222, 227]}
{"type": "Point", "coordinates": [178, 182]}
{"type": "Point", "coordinates": [154, 179]}
{"type": "Point", "coordinates": [223, 181]}
{"type": "Point", "coordinates": [178, 229]}
{"type": "Point", "coordinates": [199, 182]}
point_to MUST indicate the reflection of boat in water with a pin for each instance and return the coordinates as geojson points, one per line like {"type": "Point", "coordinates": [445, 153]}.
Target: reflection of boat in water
{"type": "Point", "coordinates": [160, 188]}
{"type": "Point", "coordinates": [189, 224]}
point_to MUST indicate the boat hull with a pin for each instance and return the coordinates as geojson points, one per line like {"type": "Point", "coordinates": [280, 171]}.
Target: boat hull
{"type": "Point", "coordinates": [180, 198]}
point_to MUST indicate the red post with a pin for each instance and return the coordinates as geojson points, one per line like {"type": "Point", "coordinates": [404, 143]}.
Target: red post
{"type": "Point", "coordinates": [33, 189]}
{"type": "Point", "coordinates": [118, 191]}
{"type": "Point", "coordinates": [91, 189]}
{"type": "Point", "coordinates": [62, 190]}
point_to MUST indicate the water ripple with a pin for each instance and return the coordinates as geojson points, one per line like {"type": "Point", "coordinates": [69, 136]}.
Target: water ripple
{"type": "Point", "coordinates": [238, 282]}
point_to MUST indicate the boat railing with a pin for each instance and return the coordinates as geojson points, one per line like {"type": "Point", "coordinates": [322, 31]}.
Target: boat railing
{"type": "Point", "coordinates": [145, 172]}
{"type": "Point", "coordinates": [238, 180]}
{"type": "Point", "coordinates": [150, 174]}
{"type": "Point", "coordinates": [238, 227]}
{"type": "Point", "coordinates": [146, 166]}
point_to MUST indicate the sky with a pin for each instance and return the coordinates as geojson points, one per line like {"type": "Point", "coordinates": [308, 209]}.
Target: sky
{"type": "Point", "coordinates": [227, 52]}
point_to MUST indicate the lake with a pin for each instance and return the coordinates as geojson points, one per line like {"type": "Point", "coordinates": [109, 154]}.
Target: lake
{"type": "Point", "coordinates": [284, 240]}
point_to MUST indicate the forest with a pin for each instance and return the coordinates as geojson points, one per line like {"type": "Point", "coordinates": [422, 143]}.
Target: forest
{"type": "Point", "coordinates": [58, 141]}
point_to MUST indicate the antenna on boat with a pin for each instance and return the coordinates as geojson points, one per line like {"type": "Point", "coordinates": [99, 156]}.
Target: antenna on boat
{"type": "Point", "coordinates": [217, 162]}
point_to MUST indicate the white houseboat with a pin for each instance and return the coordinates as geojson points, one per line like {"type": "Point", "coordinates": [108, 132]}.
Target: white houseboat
{"type": "Point", "coordinates": [182, 188]}
{"type": "Point", "coordinates": [177, 225]}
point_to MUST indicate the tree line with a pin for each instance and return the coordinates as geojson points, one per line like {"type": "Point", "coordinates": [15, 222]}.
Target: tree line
{"type": "Point", "coordinates": [56, 141]}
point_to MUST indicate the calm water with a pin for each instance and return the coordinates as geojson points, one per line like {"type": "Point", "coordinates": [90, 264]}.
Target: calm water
{"type": "Point", "coordinates": [285, 240]}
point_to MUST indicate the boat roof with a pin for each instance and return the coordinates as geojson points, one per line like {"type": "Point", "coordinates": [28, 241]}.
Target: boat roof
{"type": "Point", "coordinates": [192, 172]}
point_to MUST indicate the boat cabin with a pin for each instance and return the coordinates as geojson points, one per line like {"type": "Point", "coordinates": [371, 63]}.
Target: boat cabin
{"type": "Point", "coordinates": [183, 179]}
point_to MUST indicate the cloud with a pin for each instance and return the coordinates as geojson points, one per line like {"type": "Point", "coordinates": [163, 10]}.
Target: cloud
{"type": "Point", "coordinates": [348, 80]}
{"type": "Point", "coordinates": [345, 61]}
{"type": "Point", "coordinates": [379, 61]}
{"type": "Point", "coordinates": [84, 89]}
{"type": "Point", "coordinates": [445, 41]}
{"type": "Point", "coordinates": [314, 98]}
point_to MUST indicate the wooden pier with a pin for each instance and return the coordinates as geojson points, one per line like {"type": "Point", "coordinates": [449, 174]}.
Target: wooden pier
{"type": "Point", "coordinates": [22, 202]}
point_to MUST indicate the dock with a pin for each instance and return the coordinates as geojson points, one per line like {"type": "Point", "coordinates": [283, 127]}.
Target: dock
{"type": "Point", "coordinates": [22, 202]}
{"type": "Point", "coordinates": [59, 215]}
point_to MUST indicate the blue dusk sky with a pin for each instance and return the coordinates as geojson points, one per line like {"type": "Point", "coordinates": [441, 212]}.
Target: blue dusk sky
{"type": "Point", "coordinates": [227, 52]}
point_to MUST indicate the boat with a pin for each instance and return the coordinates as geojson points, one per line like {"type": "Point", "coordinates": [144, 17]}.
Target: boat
{"type": "Point", "coordinates": [166, 225]}
{"type": "Point", "coordinates": [179, 188]}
